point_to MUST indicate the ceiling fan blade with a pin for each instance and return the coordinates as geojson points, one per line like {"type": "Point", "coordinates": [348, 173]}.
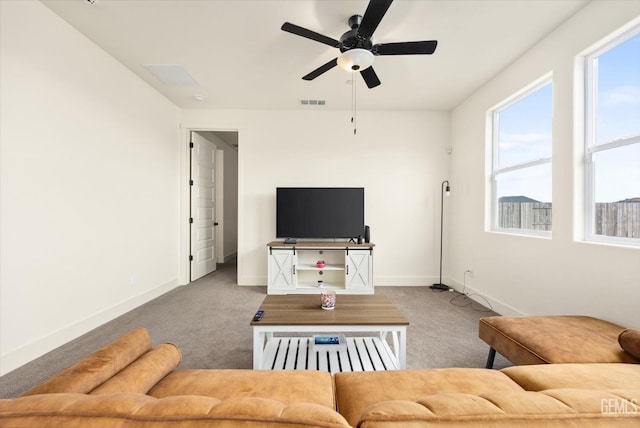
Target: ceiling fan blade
{"type": "Point", "coordinates": [303, 32]}
{"type": "Point", "coordinates": [372, 17]}
{"type": "Point", "coordinates": [322, 69]}
{"type": "Point", "coordinates": [370, 77]}
{"type": "Point", "coordinates": [426, 47]}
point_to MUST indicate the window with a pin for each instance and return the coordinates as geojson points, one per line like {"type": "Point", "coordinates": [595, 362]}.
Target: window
{"type": "Point", "coordinates": [521, 165]}
{"type": "Point", "coordinates": [612, 143]}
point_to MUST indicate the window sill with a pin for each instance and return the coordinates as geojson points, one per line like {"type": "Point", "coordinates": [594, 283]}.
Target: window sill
{"type": "Point", "coordinates": [619, 242]}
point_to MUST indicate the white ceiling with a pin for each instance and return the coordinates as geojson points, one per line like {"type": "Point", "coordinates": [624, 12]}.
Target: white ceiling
{"type": "Point", "coordinates": [240, 58]}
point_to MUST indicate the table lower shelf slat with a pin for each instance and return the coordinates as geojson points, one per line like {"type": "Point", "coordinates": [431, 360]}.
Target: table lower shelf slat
{"type": "Point", "coordinates": [296, 353]}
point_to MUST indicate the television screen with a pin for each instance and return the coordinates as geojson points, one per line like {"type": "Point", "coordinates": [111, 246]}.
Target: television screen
{"type": "Point", "coordinates": [319, 212]}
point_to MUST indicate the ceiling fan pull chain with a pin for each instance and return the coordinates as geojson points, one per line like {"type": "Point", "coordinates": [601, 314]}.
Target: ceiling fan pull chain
{"type": "Point", "coordinates": [352, 101]}
{"type": "Point", "coordinates": [354, 118]}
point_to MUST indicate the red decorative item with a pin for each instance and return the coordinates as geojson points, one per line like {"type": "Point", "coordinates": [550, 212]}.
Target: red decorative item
{"type": "Point", "coordinates": [320, 264]}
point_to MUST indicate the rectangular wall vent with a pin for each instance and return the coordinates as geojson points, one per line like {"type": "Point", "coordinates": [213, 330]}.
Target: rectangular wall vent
{"type": "Point", "coordinates": [313, 102]}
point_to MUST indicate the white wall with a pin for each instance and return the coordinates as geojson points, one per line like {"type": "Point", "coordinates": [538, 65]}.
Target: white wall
{"type": "Point", "coordinates": [534, 276]}
{"type": "Point", "coordinates": [89, 186]}
{"type": "Point", "coordinates": [230, 204]}
{"type": "Point", "coordinates": [398, 157]}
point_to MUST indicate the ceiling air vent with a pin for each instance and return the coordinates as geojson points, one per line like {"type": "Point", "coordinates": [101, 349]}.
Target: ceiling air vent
{"type": "Point", "coordinates": [171, 74]}
{"type": "Point", "coordinates": [313, 102]}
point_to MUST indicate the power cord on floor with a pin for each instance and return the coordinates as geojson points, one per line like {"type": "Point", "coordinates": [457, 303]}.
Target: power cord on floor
{"type": "Point", "coordinates": [467, 300]}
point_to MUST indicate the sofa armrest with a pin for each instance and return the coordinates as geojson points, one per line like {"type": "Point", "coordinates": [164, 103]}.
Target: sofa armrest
{"type": "Point", "coordinates": [93, 370]}
{"type": "Point", "coordinates": [141, 375]}
{"type": "Point", "coordinates": [143, 411]}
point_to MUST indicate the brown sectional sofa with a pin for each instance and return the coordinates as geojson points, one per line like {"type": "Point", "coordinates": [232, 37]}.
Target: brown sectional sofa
{"type": "Point", "coordinates": [128, 383]}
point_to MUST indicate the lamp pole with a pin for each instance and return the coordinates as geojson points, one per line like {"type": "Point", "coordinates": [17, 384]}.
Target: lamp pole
{"type": "Point", "coordinates": [440, 285]}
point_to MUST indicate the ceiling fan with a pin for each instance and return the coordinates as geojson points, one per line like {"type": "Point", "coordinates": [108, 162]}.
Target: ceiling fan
{"type": "Point", "coordinates": [356, 46]}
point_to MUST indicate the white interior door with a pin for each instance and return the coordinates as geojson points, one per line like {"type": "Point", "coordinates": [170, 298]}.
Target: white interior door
{"type": "Point", "coordinates": [203, 234]}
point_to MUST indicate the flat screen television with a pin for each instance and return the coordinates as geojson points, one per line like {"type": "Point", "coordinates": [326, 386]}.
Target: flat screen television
{"type": "Point", "coordinates": [319, 212]}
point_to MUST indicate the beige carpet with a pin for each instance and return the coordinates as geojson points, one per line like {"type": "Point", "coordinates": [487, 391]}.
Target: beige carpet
{"type": "Point", "coordinates": [209, 321]}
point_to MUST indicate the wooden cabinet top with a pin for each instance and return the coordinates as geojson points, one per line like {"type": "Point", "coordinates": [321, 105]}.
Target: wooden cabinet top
{"type": "Point", "coordinates": [320, 244]}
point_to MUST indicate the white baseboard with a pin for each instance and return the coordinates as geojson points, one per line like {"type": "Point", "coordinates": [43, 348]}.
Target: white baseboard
{"type": "Point", "coordinates": [15, 358]}
{"type": "Point", "coordinates": [403, 281]}
{"type": "Point", "coordinates": [251, 281]}
{"type": "Point", "coordinates": [418, 281]}
{"type": "Point", "coordinates": [483, 299]}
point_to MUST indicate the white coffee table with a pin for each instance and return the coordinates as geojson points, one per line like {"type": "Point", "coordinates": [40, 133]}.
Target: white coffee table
{"type": "Point", "coordinates": [301, 315]}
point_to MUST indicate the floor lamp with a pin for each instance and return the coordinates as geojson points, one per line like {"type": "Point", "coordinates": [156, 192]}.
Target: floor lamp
{"type": "Point", "coordinates": [443, 190]}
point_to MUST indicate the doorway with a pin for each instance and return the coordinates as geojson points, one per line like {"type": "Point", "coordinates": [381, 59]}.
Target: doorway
{"type": "Point", "coordinates": [212, 200]}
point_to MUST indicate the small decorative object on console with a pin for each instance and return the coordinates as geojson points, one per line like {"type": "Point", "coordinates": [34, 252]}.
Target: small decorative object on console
{"type": "Point", "coordinates": [328, 299]}
{"type": "Point", "coordinates": [320, 264]}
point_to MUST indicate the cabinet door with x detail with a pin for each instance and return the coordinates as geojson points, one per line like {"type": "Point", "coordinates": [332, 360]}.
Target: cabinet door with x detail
{"type": "Point", "coordinates": [281, 270]}
{"type": "Point", "coordinates": [358, 270]}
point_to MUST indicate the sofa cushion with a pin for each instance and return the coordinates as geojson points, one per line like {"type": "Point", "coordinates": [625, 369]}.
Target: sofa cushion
{"type": "Point", "coordinates": [144, 372]}
{"type": "Point", "coordinates": [629, 340]}
{"type": "Point", "coordinates": [286, 386]}
{"type": "Point", "coordinates": [96, 368]}
{"type": "Point", "coordinates": [141, 411]}
{"type": "Point", "coordinates": [553, 408]}
{"type": "Point", "coordinates": [554, 339]}
{"type": "Point", "coordinates": [356, 391]}
{"type": "Point", "coordinates": [586, 376]}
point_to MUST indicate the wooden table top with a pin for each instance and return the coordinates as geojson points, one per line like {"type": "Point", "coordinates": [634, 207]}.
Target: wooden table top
{"type": "Point", "coordinates": [304, 309]}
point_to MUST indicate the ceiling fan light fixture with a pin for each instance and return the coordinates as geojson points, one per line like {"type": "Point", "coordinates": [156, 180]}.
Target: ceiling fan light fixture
{"type": "Point", "coordinates": [355, 59]}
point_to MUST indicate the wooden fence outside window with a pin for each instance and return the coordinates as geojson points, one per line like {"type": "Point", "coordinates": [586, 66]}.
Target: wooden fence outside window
{"type": "Point", "coordinates": [621, 219]}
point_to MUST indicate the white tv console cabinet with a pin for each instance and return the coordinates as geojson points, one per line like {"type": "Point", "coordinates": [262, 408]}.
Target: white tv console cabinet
{"type": "Point", "coordinates": [292, 269]}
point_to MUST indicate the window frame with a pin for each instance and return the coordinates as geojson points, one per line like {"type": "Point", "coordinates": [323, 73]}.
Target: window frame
{"type": "Point", "coordinates": [591, 147]}
{"type": "Point", "coordinates": [494, 121]}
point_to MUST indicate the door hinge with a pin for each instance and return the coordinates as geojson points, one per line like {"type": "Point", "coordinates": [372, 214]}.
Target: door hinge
{"type": "Point", "coordinates": [215, 223]}
{"type": "Point", "coordinates": [190, 220]}
{"type": "Point", "coordinates": [191, 144]}
{"type": "Point", "coordinates": [190, 258]}
{"type": "Point", "coordinates": [190, 182]}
